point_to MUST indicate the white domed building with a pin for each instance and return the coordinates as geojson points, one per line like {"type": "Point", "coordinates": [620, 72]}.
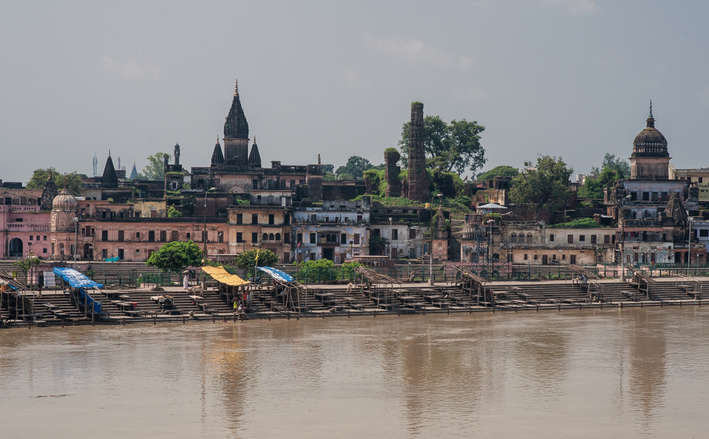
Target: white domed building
{"type": "Point", "coordinates": [63, 225]}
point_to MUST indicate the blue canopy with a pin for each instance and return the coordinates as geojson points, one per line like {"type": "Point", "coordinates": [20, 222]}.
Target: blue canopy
{"type": "Point", "coordinates": [75, 278]}
{"type": "Point", "coordinates": [276, 274]}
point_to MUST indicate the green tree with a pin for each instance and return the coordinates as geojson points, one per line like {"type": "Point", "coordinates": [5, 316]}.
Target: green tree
{"type": "Point", "coordinates": [27, 265]}
{"type": "Point", "coordinates": [353, 169]}
{"type": "Point", "coordinates": [70, 180]}
{"type": "Point", "coordinates": [322, 270]}
{"type": "Point", "coordinates": [450, 147]}
{"type": "Point", "coordinates": [176, 256]}
{"type": "Point", "coordinates": [173, 212]}
{"type": "Point", "coordinates": [612, 170]}
{"type": "Point", "coordinates": [498, 171]}
{"type": "Point", "coordinates": [155, 169]}
{"type": "Point", "coordinates": [545, 187]}
{"type": "Point", "coordinates": [256, 257]}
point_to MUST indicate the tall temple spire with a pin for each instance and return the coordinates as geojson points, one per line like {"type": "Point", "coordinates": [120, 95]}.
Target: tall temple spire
{"type": "Point", "coordinates": [650, 117]}
{"type": "Point", "coordinates": [235, 126]}
{"type": "Point", "coordinates": [254, 156]}
{"type": "Point", "coordinates": [217, 156]}
{"type": "Point", "coordinates": [109, 179]}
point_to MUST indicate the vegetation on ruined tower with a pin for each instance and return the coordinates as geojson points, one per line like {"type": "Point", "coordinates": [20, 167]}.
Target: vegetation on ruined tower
{"type": "Point", "coordinates": [173, 212]}
{"type": "Point", "coordinates": [155, 169]}
{"type": "Point", "coordinates": [372, 180]}
{"type": "Point", "coordinates": [450, 147]}
{"type": "Point", "coordinates": [353, 169]}
{"type": "Point", "coordinates": [546, 187]}
{"type": "Point", "coordinates": [71, 180]}
{"type": "Point", "coordinates": [612, 170]}
{"type": "Point", "coordinates": [176, 256]}
{"type": "Point", "coordinates": [498, 171]}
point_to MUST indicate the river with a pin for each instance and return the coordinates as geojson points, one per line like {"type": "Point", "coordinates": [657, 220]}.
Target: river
{"type": "Point", "coordinates": [630, 373]}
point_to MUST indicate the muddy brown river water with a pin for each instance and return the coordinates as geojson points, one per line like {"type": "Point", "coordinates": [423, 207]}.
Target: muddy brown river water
{"type": "Point", "coordinates": [587, 374]}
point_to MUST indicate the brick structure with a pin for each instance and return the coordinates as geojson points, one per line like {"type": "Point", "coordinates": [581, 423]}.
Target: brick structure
{"type": "Point", "coordinates": [391, 157]}
{"type": "Point", "coordinates": [419, 189]}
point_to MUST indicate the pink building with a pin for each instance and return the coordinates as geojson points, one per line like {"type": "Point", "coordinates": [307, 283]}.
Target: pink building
{"type": "Point", "coordinates": [24, 227]}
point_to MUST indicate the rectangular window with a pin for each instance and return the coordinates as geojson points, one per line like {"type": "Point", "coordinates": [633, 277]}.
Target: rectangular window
{"type": "Point", "coordinates": [104, 235]}
{"type": "Point", "coordinates": [525, 256]}
{"type": "Point", "coordinates": [582, 238]}
{"type": "Point", "coordinates": [31, 238]}
{"type": "Point", "coordinates": [104, 253]}
{"type": "Point", "coordinates": [163, 235]}
{"type": "Point", "coordinates": [137, 236]}
{"type": "Point", "coordinates": [188, 236]}
{"type": "Point", "coordinates": [606, 239]}
{"type": "Point", "coordinates": [286, 238]}
{"type": "Point", "coordinates": [646, 196]}
{"type": "Point", "coordinates": [312, 238]}
{"type": "Point", "coordinates": [300, 237]}
{"type": "Point", "coordinates": [412, 233]}
{"type": "Point", "coordinates": [394, 234]}
{"type": "Point", "coordinates": [551, 237]}
{"type": "Point", "coordinates": [120, 236]}
{"type": "Point", "coordinates": [573, 259]}
{"type": "Point", "coordinates": [254, 218]}
{"type": "Point", "coordinates": [271, 219]}
{"type": "Point", "coordinates": [120, 254]}
{"type": "Point", "coordinates": [343, 238]}
{"type": "Point", "coordinates": [704, 233]}
{"type": "Point", "coordinates": [44, 250]}
{"type": "Point", "coordinates": [174, 236]}
{"type": "Point", "coordinates": [239, 218]}
{"type": "Point", "coordinates": [570, 239]}
{"type": "Point", "coordinates": [220, 237]}
{"type": "Point", "coordinates": [240, 237]}
{"type": "Point", "coordinates": [44, 237]}
{"type": "Point", "coordinates": [151, 236]}
{"type": "Point", "coordinates": [593, 239]}
{"type": "Point", "coordinates": [356, 239]}
{"type": "Point", "coordinates": [254, 237]}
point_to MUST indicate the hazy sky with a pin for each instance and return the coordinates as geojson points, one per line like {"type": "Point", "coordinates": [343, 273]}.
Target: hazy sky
{"type": "Point", "coordinates": [570, 78]}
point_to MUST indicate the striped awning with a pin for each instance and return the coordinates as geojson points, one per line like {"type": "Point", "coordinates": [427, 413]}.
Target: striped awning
{"type": "Point", "coordinates": [224, 277]}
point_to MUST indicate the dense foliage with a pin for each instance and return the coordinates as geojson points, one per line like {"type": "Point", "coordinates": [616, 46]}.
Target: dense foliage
{"type": "Point", "coordinates": [353, 169]}
{"type": "Point", "coordinates": [324, 270]}
{"type": "Point", "coordinates": [176, 256]}
{"type": "Point", "coordinates": [612, 170]}
{"type": "Point", "coordinates": [498, 171]}
{"type": "Point", "coordinates": [546, 187]}
{"type": "Point", "coordinates": [578, 223]}
{"type": "Point", "coordinates": [256, 257]}
{"type": "Point", "coordinates": [71, 181]}
{"type": "Point", "coordinates": [155, 169]}
{"type": "Point", "coordinates": [450, 147]}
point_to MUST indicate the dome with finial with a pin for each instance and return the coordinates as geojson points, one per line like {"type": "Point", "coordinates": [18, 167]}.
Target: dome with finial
{"type": "Point", "coordinates": [650, 142]}
{"type": "Point", "coordinates": [64, 202]}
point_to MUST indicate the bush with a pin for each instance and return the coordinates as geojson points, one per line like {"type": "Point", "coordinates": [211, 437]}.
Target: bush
{"type": "Point", "coordinates": [317, 271]}
{"type": "Point", "coordinates": [251, 258]}
{"type": "Point", "coordinates": [176, 256]}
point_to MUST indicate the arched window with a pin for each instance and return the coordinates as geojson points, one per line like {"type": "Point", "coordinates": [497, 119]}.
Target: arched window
{"type": "Point", "coordinates": [513, 237]}
{"type": "Point", "coordinates": [278, 236]}
{"type": "Point", "coordinates": [270, 237]}
{"type": "Point", "coordinates": [529, 238]}
{"type": "Point", "coordinates": [265, 237]}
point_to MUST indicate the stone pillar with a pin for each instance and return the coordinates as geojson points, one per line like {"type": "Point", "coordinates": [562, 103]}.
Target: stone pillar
{"type": "Point", "coordinates": [418, 178]}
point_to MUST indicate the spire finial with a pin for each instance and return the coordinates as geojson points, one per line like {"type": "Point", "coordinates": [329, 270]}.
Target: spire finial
{"type": "Point", "coordinates": [236, 87]}
{"type": "Point", "coordinates": [254, 139]}
{"type": "Point", "coordinates": [651, 116]}
{"type": "Point", "coordinates": [217, 139]}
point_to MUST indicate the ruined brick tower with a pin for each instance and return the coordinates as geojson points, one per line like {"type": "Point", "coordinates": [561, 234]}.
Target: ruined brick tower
{"type": "Point", "coordinates": [391, 157]}
{"type": "Point", "coordinates": [418, 185]}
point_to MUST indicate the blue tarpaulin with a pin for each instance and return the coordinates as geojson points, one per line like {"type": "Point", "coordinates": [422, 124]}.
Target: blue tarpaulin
{"type": "Point", "coordinates": [277, 274]}
{"type": "Point", "coordinates": [75, 278]}
{"type": "Point", "coordinates": [78, 280]}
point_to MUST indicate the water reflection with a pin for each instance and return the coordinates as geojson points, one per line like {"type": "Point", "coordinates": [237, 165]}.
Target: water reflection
{"type": "Point", "coordinates": [606, 373]}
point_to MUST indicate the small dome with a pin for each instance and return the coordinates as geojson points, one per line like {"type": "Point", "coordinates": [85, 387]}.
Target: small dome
{"type": "Point", "coordinates": [650, 141]}
{"type": "Point", "coordinates": [64, 202]}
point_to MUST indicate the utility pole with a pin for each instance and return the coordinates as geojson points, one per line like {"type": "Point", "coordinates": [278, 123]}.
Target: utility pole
{"type": "Point", "coordinates": [689, 244]}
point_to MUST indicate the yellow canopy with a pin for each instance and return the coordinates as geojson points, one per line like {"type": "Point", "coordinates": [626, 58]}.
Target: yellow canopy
{"type": "Point", "coordinates": [222, 276]}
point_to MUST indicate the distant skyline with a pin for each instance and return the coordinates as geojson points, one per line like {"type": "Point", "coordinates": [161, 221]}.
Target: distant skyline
{"type": "Point", "coordinates": [569, 78]}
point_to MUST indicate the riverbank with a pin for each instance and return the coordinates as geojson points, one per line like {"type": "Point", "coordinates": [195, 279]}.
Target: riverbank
{"type": "Point", "coordinates": [126, 306]}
